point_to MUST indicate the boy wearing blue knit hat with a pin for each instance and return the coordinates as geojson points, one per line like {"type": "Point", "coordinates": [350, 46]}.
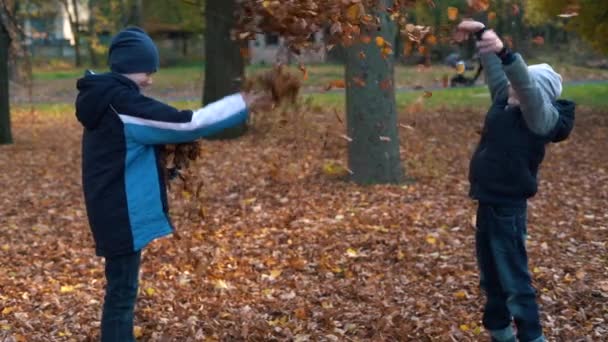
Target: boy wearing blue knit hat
{"type": "Point", "coordinates": [122, 175]}
{"type": "Point", "coordinates": [525, 116]}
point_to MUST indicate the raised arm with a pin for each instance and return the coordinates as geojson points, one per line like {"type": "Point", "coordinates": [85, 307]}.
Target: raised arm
{"type": "Point", "coordinates": [152, 122]}
{"type": "Point", "coordinates": [537, 108]}
{"type": "Point", "coordinates": [498, 84]}
{"type": "Point", "coordinates": [495, 75]}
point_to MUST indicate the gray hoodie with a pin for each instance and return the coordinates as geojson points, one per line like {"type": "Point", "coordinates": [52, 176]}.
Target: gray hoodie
{"type": "Point", "coordinates": [537, 87]}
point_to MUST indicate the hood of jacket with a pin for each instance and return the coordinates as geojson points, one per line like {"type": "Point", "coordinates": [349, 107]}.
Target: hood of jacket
{"type": "Point", "coordinates": [95, 93]}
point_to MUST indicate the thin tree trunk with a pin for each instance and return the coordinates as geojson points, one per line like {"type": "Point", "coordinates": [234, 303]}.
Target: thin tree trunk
{"type": "Point", "coordinates": [373, 153]}
{"type": "Point", "coordinates": [92, 5]}
{"type": "Point", "coordinates": [73, 19]}
{"type": "Point", "coordinates": [224, 65]}
{"type": "Point", "coordinates": [5, 118]}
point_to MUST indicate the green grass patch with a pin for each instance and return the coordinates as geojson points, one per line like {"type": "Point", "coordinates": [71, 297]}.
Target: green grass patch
{"type": "Point", "coordinates": [591, 95]}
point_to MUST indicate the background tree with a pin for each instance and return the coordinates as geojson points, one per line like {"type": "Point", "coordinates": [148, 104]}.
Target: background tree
{"type": "Point", "coordinates": [368, 30]}
{"type": "Point", "coordinates": [588, 18]}
{"type": "Point", "coordinates": [5, 119]}
{"type": "Point", "coordinates": [373, 153]}
{"type": "Point", "coordinates": [72, 8]}
{"type": "Point", "coordinates": [224, 64]}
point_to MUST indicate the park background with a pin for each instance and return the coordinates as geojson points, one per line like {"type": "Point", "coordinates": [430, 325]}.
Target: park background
{"type": "Point", "coordinates": [287, 230]}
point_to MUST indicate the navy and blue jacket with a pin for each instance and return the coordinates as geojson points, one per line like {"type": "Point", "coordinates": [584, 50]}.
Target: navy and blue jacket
{"type": "Point", "coordinates": [122, 176]}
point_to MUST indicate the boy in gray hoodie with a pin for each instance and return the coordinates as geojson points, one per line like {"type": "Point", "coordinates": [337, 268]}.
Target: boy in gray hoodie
{"type": "Point", "coordinates": [524, 117]}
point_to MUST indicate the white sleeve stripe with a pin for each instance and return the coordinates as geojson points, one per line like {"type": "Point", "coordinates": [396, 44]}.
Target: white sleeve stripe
{"type": "Point", "coordinates": [203, 117]}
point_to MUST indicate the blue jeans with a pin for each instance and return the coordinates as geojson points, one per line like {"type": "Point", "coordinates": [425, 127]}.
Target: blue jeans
{"type": "Point", "coordinates": [504, 277]}
{"type": "Point", "coordinates": [122, 277]}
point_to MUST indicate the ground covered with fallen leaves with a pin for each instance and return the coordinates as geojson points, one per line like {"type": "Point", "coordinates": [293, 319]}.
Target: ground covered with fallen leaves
{"type": "Point", "coordinates": [274, 245]}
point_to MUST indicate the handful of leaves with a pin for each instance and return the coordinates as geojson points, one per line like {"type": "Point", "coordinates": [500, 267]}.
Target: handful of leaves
{"type": "Point", "coordinates": [282, 84]}
{"type": "Point", "coordinates": [279, 82]}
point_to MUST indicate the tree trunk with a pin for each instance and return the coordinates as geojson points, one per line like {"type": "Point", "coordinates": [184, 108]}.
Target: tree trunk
{"type": "Point", "coordinates": [5, 118]}
{"type": "Point", "coordinates": [76, 33]}
{"type": "Point", "coordinates": [224, 65]}
{"type": "Point", "coordinates": [373, 154]}
{"type": "Point", "coordinates": [92, 41]}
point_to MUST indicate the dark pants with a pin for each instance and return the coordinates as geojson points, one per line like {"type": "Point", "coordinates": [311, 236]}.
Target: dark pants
{"type": "Point", "coordinates": [122, 275]}
{"type": "Point", "coordinates": [504, 277]}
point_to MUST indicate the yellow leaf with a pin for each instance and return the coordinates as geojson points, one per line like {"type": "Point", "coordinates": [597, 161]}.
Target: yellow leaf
{"type": "Point", "coordinates": [431, 239]}
{"type": "Point", "coordinates": [5, 247]}
{"type": "Point", "coordinates": [380, 41]}
{"type": "Point", "coordinates": [331, 168]}
{"type": "Point", "coordinates": [327, 305]}
{"type": "Point", "coordinates": [5, 327]}
{"type": "Point", "coordinates": [7, 310]}
{"type": "Point", "coordinates": [536, 270]}
{"type": "Point", "coordinates": [452, 13]}
{"type": "Point", "coordinates": [464, 327]}
{"type": "Point", "coordinates": [249, 201]}
{"type": "Point", "coordinates": [477, 330]}
{"type": "Point", "coordinates": [221, 284]}
{"type": "Point", "coordinates": [150, 291]}
{"type": "Point", "coordinates": [65, 333]}
{"type": "Point", "coordinates": [186, 195]}
{"type": "Point", "coordinates": [66, 289]}
{"type": "Point", "coordinates": [138, 332]}
{"type": "Point", "coordinates": [352, 253]}
{"type": "Point", "coordinates": [491, 16]}
{"type": "Point", "coordinates": [400, 255]}
{"type": "Point", "coordinates": [460, 294]}
{"type": "Point", "coordinates": [275, 273]}
{"type": "Point", "coordinates": [266, 4]}
{"type": "Point", "coordinates": [353, 12]}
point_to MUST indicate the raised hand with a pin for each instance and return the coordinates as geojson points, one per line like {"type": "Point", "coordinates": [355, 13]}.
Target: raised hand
{"type": "Point", "coordinates": [470, 26]}
{"type": "Point", "coordinates": [490, 43]}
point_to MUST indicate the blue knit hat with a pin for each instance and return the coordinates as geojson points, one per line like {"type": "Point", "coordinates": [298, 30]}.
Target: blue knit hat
{"type": "Point", "coordinates": [133, 51]}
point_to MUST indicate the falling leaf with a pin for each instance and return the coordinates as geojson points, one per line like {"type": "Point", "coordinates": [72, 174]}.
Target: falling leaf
{"type": "Point", "coordinates": [339, 84]}
{"type": "Point", "coordinates": [479, 5]}
{"type": "Point", "coordinates": [354, 12]}
{"type": "Point", "coordinates": [452, 13]}
{"type": "Point", "coordinates": [358, 81]}
{"type": "Point", "coordinates": [304, 71]}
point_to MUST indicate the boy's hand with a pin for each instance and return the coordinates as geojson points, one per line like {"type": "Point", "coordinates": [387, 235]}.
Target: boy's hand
{"type": "Point", "coordinates": [490, 43]}
{"type": "Point", "coordinates": [258, 101]}
{"type": "Point", "coordinates": [470, 26]}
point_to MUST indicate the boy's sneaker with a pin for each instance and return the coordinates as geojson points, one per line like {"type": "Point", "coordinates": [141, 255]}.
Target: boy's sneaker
{"type": "Point", "coordinates": [503, 335]}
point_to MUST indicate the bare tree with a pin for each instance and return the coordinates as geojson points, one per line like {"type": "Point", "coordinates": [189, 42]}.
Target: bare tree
{"type": "Point", "coordinates": [72, 10]}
